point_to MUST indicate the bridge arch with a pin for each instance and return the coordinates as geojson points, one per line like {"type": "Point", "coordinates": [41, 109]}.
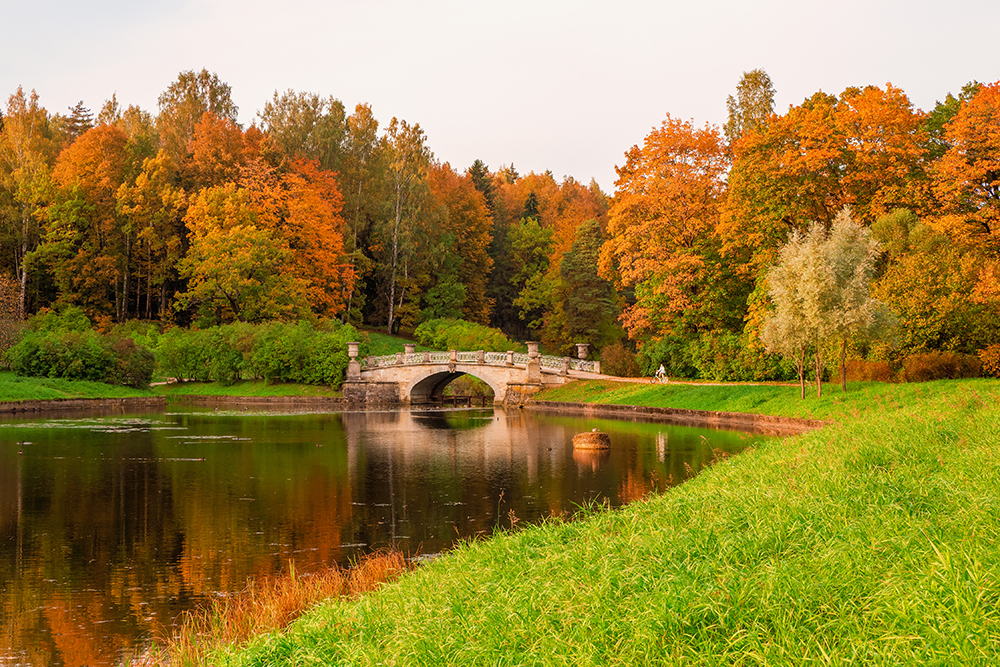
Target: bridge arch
{"type": "Point", "coordinates": [430, 386]}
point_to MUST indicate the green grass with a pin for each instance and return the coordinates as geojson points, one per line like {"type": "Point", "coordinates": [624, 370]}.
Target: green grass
{"type": "Point", "coordinates": [17, 388]}
{"type": "Point", "coordinates": [243, 388]}
{"type": "Point", "coordinates": [861, 397]}
{"type": "Point", "coordinates": [381, 344]}
{"type": "Point", "coordinates": [871, 541]}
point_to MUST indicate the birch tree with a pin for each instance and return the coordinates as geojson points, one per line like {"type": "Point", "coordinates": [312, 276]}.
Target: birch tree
{"type": "Point", "coordinates": [26, 155]}
{"type": "Point", "coordinates": [408, 159]}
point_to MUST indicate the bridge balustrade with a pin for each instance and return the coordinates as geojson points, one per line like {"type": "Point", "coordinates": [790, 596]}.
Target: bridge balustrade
{"type": "Point", "coordinates": [491, 358]}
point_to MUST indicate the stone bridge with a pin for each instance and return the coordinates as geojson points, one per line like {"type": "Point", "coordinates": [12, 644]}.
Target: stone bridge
{"type": "Point", "coordinates": [420, 377]}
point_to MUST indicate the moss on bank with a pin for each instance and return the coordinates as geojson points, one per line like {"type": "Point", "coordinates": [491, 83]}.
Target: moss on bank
{"type": "Point", "coordinates": [871, 541]}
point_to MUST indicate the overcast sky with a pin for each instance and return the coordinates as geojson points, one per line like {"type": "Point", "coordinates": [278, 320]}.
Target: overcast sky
{"type": "Point", "coordinates": [545, 85]}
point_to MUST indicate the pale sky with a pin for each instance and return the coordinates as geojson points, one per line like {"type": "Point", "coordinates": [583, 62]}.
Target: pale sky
{"type": "Point", "coordinates": [546, 85]}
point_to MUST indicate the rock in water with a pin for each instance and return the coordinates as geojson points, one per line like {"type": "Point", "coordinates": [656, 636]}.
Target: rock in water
{"type": "Point", "coordinates": [593, 440]}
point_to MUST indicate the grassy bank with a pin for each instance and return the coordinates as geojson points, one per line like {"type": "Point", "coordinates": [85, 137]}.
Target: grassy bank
{"type": "Point", "coordinates": [243, 388]}
{"type": "Point", "coordinates": [16, 388]}
{"type": "Point", "coordinates": [871, 541]}
{"type": "Point", "coordinates": [861, 398]}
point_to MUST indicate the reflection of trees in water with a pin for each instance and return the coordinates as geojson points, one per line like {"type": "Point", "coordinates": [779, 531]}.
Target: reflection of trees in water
{"type": "Point", "coordinates": [130, 529]}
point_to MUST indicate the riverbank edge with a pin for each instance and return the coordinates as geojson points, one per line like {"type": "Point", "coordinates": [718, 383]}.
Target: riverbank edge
{"type": "Point", "coordinates": [60, 404]}
{"type": "Point", "coordinates": [841, 477]}
{"type": "Point", "coordinates": [328, 401]}
{"type": "Point", "coordinates": [744, 421]}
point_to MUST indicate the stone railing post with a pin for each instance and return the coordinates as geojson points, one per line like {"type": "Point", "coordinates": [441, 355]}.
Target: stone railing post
{"type": "Point", "coordinates": [427, 356]}
{"type": "Point", "coordinates": [481, 357]}
{"type": "Point", "coordinates": [353, 365]}
{"type": "Point", "coordinates": [452, 360]}
{"type": "Point", "coordinates": [409, 350]}
{"type": "Point", "coordinates": [597, 367]}
{"type": "Point", "coordinates": [510, 357]}
{"type": "Point", "coordinates": [534, 364]}
{"type": "Point", "coordinates": [399, 359]}
{"type": "Point", "coordinates": [565, 366]}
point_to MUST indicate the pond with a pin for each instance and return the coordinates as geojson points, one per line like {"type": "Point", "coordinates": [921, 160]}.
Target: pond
{"type": "Point", "coordinates": [113, 525]}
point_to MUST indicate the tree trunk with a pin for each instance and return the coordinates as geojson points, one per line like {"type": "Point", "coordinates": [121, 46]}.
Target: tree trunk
{"type": "Point", "coordinates": [802, 373]}
{"type": "Point", "coordinates": [843, 364]}
{"type": "Point", "coordinates": [819, 374]}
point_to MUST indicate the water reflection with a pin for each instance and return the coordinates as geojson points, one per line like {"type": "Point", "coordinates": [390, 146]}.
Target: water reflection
{"type": "Point", "coordinates": [110, 526]}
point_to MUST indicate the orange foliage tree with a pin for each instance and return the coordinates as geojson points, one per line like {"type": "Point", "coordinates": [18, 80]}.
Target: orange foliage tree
{"type": "Point", "coordinates": [661, 225]}
{"type": "Point", "coordinates": [967, 183]}
{"type": "Point", "coordinates": [238, 266]}
{"type": "Point", "coordinates": [87, 243]}
{"type": "Point", "coordinates": [462, 230]}
{"type": "Point", "coordinates": [862, 150]}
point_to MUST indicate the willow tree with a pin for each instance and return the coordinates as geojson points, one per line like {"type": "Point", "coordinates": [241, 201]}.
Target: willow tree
{"type": "Point", "coordinates": [820, 291]}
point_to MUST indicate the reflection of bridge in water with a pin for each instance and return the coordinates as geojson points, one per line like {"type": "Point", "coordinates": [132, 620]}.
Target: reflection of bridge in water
{"type": "Point", "coordinates": [421, 377]}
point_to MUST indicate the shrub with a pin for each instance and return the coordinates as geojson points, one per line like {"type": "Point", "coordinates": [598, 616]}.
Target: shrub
{"type": "Point", "coordinates": [133, 364]}
{"type": "Point", "coordinates": [728, 357]}
{"type": "Point", "coordinates": [276, 352]}
{"type": "Point", "coordinates": [450, 334]}
{"type": "Point", "coordinates": [184, 354]}
{"type": "Point", "coordinates": [71, 318]}
{"type": "Point", "coordinates": [82, 355]}
{"type": "Point", "coordinates": [616, 359]}
{"type": "Point", "coordinates": [672, 352]}
{"type": "Point", "coordinates": [991, 360]}
{"type": "Point", "coordinates": [869, 371]}
{"type": "Point", "coordinates": [938, 365]}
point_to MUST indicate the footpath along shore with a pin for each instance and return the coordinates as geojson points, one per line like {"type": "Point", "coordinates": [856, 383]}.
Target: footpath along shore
{"type": "Point", "coordinates": [870, 540]}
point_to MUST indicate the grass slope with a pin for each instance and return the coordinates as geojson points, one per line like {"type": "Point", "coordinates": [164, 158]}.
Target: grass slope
{"type": "Point", "coordinates": [243, 388]}
{"type": "Point", "coordinates": [871, 541]}
{"type": "Point", "coordinates": [861, 398]}
{"type": "Point", "coordinates": [16, 388]}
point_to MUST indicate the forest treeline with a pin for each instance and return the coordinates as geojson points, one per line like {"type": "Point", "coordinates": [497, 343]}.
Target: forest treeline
{"type": "Point", "coordinates": [315, 213]}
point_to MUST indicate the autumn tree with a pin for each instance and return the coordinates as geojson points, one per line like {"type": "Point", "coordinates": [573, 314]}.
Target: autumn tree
{"type": "Point", "coordinates": [154, 205]}
{"type": "Point", "coordinates": [930, 281]}
{"type": "Point", "coordinates": [863, 149]}
{"type": "Point", "coordinates": [967, 177]}
{"type": "Point", "coordinates": [87, 242]}
{"type": "Point", "coordinates": [753, 104]}
{"type": "Point", "coordinates": [238, 267]}
{"type": "Point", "coordinates": [314, 229]}
{"type": "Point", "coordinates": [661, 229]}
{"type": "Point", "coordinates": [217, 151]}
{"type": "Point", "coordinates": [183, 104]}
{"type": "Point", "coordinates": [307, 126]}
{"type": "Point", "coordinates": [26, 156]}
{"type": "Point", "coordinates": [466, 219]}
